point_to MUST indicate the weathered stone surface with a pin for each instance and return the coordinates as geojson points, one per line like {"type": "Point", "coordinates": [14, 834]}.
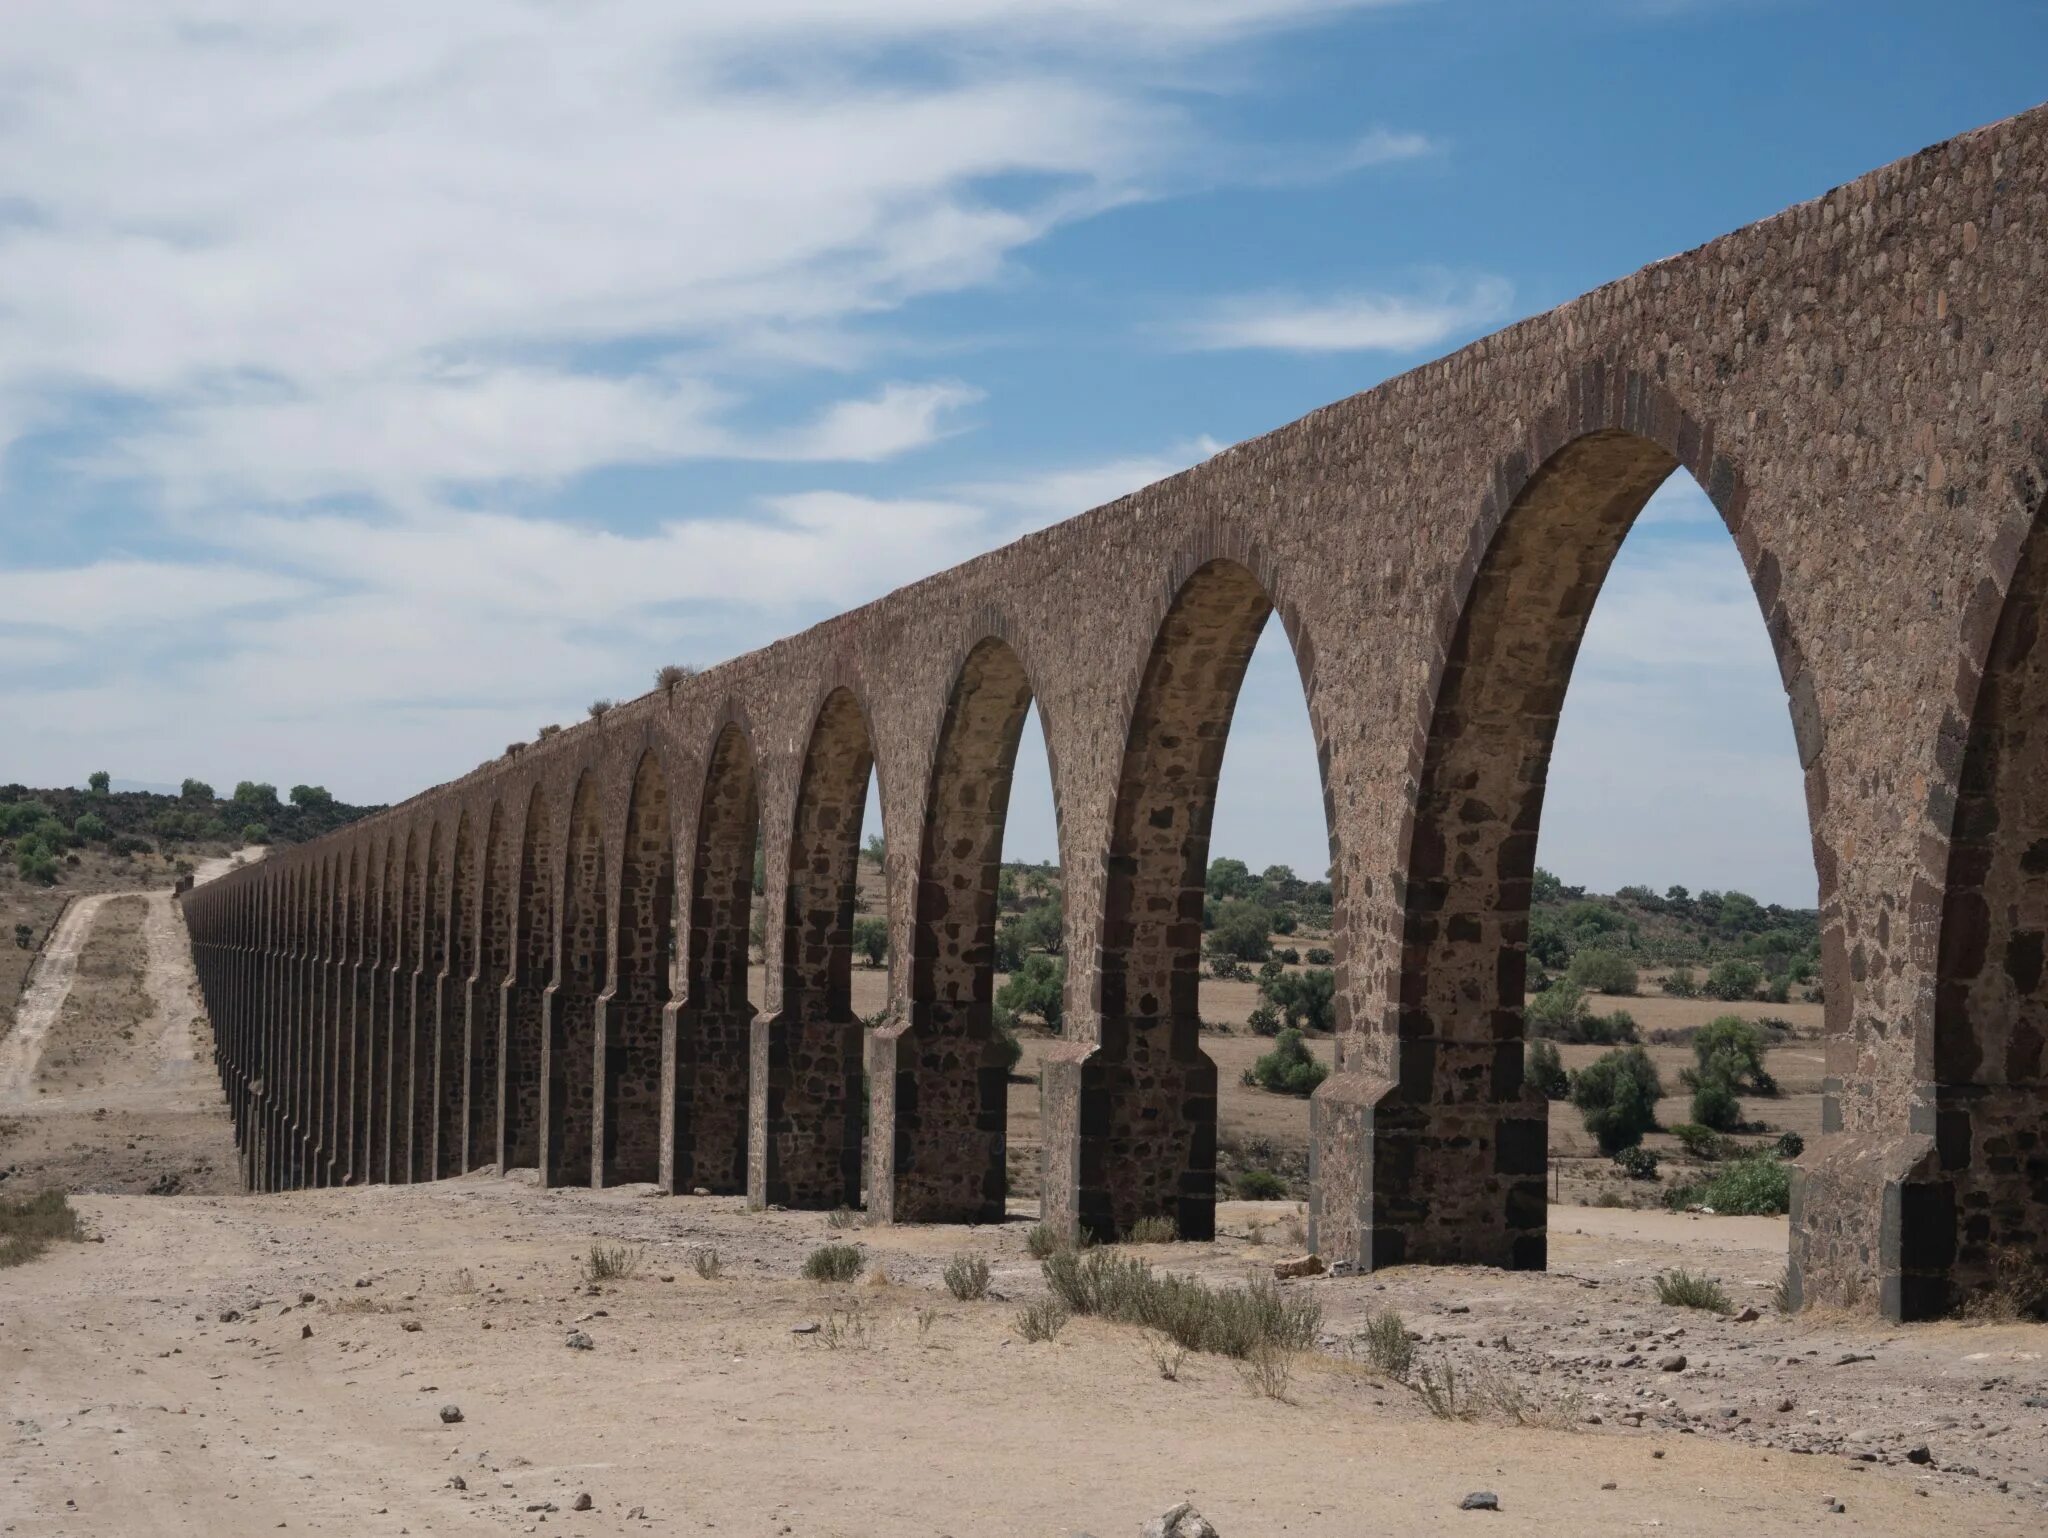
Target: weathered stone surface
{"type": "Point", "coordinates": [542, 965]}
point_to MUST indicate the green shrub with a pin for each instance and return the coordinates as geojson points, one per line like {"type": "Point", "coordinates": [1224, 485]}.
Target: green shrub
{"type": "Point", "coordinates": [1617, 1097]}
{"type": "Point", "coordinates": [611, 1263]}
{"type": "Point", "coordinates": [1043, 1240]}
{"type": "Point", "coordinates": [1264, 1020]}
{"type": "Point", "coordinates": [35, 863]}
{"type": "Point", "coordinates": [196, 790]}
{"type": "Point", "coordinates": [1242, 931]}
{"type": "Point", "coordinates": [1759, 1185]}
{"type": "Point", "coordinates": [1555, 1013]}
{"type": "Point", "coordinates": [833, 1263]}
{"type": "Point", "coordinates": [1731, 980]}
{"type": "Point", "coordinates": [1701, 1141]}
{"type": "Point", "coordinates": [1681, 984]}
{"type": "Point", "coordinates": [871, 940]}
{"type": "Point", "coordinates": [1714, 1105]}
{"type": "Point", "coordinates": [1307, 1001]}
{"type": "Point", "coordinates": [1388, 1345]}
{"type": "Point", "coordinates": [1006, 1038]}
{"type": "Point", "coordinates": [1153, 1230]}
{"type": "Point", "coordinates": [1042, 1320]}
{"type": "Point", "coordinates": [1682, 1289]}
{"type": "Point", "coordinates": [1790, 1145]}
{"type": "Point", "coordinates": [1604, 971]}
{"type": "Point", "coordinates": [1037, 988]}
{"type": "Point", "coordinates": [1545, 1071]}
{"type": "Point", "coordinates": [1260, 1186]}
{"type": "Point", "coordinates": [255, 833]}
{"type": "Point", "coordinates": [967, 1277]}
{"type": "Point", "coordinates": [1731, 1049]}
{"type": "Point", "coordinates": [1637, 1162]}
{"type": "Point", "coordinates": [1320, 956]}
{"type": "Point", "coordinates": [91, 827]}
{"type": "Point", "coordinates": [1289, 1069]}
{"type": "Point", "coordinates": [28, 1227]}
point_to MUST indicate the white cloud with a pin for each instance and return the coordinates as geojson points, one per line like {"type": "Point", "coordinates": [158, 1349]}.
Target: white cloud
{"type": "Point", "coordinates": [1350, 322]}
{"type": "Point", "coordinates": [1050, 496]}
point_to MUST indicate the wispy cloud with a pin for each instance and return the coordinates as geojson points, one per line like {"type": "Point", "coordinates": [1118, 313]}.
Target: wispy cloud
{"type": "Point", "coordinates": [1354, 322]}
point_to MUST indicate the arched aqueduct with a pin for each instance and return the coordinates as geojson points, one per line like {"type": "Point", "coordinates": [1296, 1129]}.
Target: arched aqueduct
{"type": "Point", "coordinates": [545, 962]}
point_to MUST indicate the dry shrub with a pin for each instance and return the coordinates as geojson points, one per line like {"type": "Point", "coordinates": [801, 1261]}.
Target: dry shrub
{"type": "Point", "coordinates": [833, 1263]}
{"type": "Point", "coordinates": [706, 1264]}
{"type": "Point", "coordinates": [1154, 1230]}
{"type": "Point", "coordinates": [611, 1263]}
{"type": "Point", "coordinates": [1268, 1369]}
{"type": "Point", "coordinates": [1388, 1345]}
{"type": "Point", "coordinates": [29, 1227]}
{"type": "Point", "coordinates": [2018, 1289]}
{"type": "Point", "coordinates": [1232, 1321]}
{"type": "Point", "coordinates": [1682, 1289]}
{"type": "Point", "coordinates": [967, 1277]}
{"type": "Point", "coordinates": [1042, 1320]}
{"type": "Point", "coordinates": [846, 1329]}
{"type": "Point", "coordinates": [842, 1217]}
{"type": "Point", "coordinates": [1438, 1386]}
{"type": "Point", "coordinates": [1167, 1354]}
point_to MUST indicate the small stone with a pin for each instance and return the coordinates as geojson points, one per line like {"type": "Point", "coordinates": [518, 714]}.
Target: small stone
{"type": "Point", "coordinates": [411, 1326]}
{"type": "Point", "coordinates": [1301, 1265]}
{"type": "Point", "coordinates": [1920, 1454]}
{"type": "Point", "coordinates": [365, 1281]}
{"type": "Point", "coordinates": [230, 1316]}
{"type": "Point", "coordinates": [1480, 1500]}
{"type": "Point", "coordinates": [1785, 1407]}
{"type": "Point", "coordinates": [1748, 1316]}
{"type": "Point", "coordinates": [305, 1332]}
{"type": "Point", "coordinates": [458, 1483]}
{"type": "Point", "coordinates": [451, 1414]}
{"type": "Point", "coordinates": [581, 1503]}
{"type": "Point", "coordinates": [1657, 1453]}
{"type": "Point", "coordinates": [1829, 1503]}
{"type": "Point", "coordinates": [1181, 1521]}
{"type": "Point", "coordinates": [1609, 1484]}
{"type": "Point", "coordinates": [1672, 1363]}
{"type": "Point", "coordinates": [1853, 1356]}
{"type": "Point", "coordinates": [578, 1341]}
{"type": "Point", "coordinates": [1459, 1308]}
{"type": "Point", "coordinates": [808, 1327]}
{"type": "Point", "coordinates": [637, 1514]}
{"type": "Point", "coordinates": [307, 1297]}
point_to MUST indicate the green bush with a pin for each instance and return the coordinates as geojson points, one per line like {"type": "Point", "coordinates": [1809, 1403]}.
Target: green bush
{"type": "Point", "coordinates": [99, 782]}
{"type": "Point", "coordinates": [1790, 1145]}
{"type": "Point", "coordinates": [1637, 1162]}
{"type": "Point", "coordinates": [1006, 1038]}
{"type": "Point", "coordinates": [196, 790]}
{"type": "Point", "coordinates": [1321, 956]}
{"type": "Point", "coordinates": [967, 1277]}
{"type": "Point", "coordinates": [1307, 1001]}
{"type": "Point", "coordinates": [1556, 1011]}
{"type": "Point", "coordinates": [255, 833]}
{"type": "Point", "coordinates": [1701, 1141]}
{"type": "Point", "coordinates": [1715, 1105]}
{"type": "Point", "coordinates": [871, 940]}
{"type": "Point", "coordinates": [1243, 931]}
{"type": "Point", "coordinates": [1617, 1097]}
{"type": "Point", "coordinates": [1682, 1289]}
{"type": "Point", "coordinates": [1264, 1019]}
{"type": "Point", "coordinates": [1545, 1071]}
{"type": "Point", "coordinates": [1731, 980]}
{"type": "Point", "coordinates": [1681, 984]}
{"type": "Point", "coordinates": [1757, 1186]}
{"type": "Point", "coordinates": [1037, 988]}
{"type": "Point", "coordinates": [833, 1263]}
{"type": "Point", "coordinates": [1260, 1186]}
{"type": "Point", "coordinates": [1731, 1049]}
{"type": "Point", "coordinates": [1289, 1069]}
{"type": "Point", "coordinates": [1604, 971]}
{"type": "Point", "coordinates": [92, 828]}
{"type": "Point", "coordinates": [35, 863]}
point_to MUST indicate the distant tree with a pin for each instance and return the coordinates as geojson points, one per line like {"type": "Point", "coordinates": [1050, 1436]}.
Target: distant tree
{"type": "Point", "coordinates": [1545, 1071]}
{"type": "Point", "coordinates": [1306, 1000]}
{"type": "Point", "coordinates": [311, 798]}
{"type": "Point", "coordinates": [875, 850]}
{"type": "Point", "coordinates": [92, 828]}
{"type": "Point", "coordinates": [1229, 878]}
{"type": "Point", "coordinates": [1617, 1097]}
{"type": "Point", "coordinates": [1243, 931]}
{"type": "Point", "coordinates": [1042, 928]}
{"type": "Point", "coordinates": [1289, 1069]}
{"type": "Point", "coordinates": [196, 790]}
{"type": "Point", "coordinates": [1731, 1049]}
{"type": "Point", "coordinates": [255, 833]}
{"type": "Point", "coordinates": [254, 795]}
{"type": "Point", "coordinates": [1604, 971]}
{"type": "Point", "coordinates": [599, 709]}
{"type": "Point", "coordinates": [1556, 1012]}
{"type": "Point", "coordinates": [100, 782]}
{"type": "Point", "coordinates": [1038, 987]}
{"type": "Point", "coordinates": [871, 940]}
{"type": "Point", "coordinates": [1545, 887]}
{"type": "Point", "coordinates": [1730, 980]}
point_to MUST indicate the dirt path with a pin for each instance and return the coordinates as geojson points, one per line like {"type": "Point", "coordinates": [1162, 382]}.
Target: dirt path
{"type": "Point", "coordinates": [21, 1051]}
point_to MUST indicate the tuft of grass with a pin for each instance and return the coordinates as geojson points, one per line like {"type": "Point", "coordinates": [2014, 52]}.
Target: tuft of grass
{"type": "Point", "coordinates": [464, 1281]}
{"type": "Point", "coordinates": [1682, 1289]}
{"type": "Point", "coordinates": [1042, 1320]}
{"type": "Point", "coordinates": [1154, 1230]}
{"type": "Point", "coordinates": [29, 1227]}
{"type": "Point", "coordinates": [967, 1277]}
{"type": "Point", "coordinates": [1268, 1369]}
{"type": "Point", "coordinates": [1044, 1240]}
{"type": "Point", "coordinates": [1437, 1385]}
{"type": "Point", "coordinates": [2018, 1289]}
{"type": "Point", "coordinates": [842, 1217]}
{"type": "Point", "coordinates": [611, 1263]}
{"type": "Point", "coordinates": [1782, 1298]}
{"type": "Point", "coordinates": [361, 1306]}
{"type": "Point", "coordinates": [845, 1329]}
{"type": "Point", "coordinates": [1230, 1322]}
{"type": "Point", "coordinates": [1388, 1345]}
{"type": "Point", "coordinates": [833, 1263]}
{"type": "Point", "coordinates": [1167, 1354]}
{"type": "Point", "coordinates": [706, 1264]}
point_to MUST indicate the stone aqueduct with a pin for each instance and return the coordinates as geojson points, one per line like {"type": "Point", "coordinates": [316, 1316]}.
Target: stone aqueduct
{"type": "Point", "coordinates": [544, 963]}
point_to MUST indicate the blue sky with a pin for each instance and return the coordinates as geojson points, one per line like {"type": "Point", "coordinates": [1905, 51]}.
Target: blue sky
{"type": "Point", "coordinates": [379, 382]}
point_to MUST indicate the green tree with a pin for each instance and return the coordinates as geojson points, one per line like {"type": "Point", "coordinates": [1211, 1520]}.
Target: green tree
{"type": "Point", "coordinates": [311, 798]}
{"type": "Point", "coordinates": [1604, 971]}
{"type": "Point", "coordinates": [255, 833]}
{"type": "Point", "coordinates": [1732, 1048]}
{"type": "Point", "coordinates": [1730, 980]}
{"type": "Point", "coordinates": [1243, 931]}
{"type": "Point", "coordinates": [1041, 928]}
{"type": "Point", "coordinates": [875, 850]}
{"type": "Point", "coordinates": [1545, 1071]}
{"type": "Point", "coordinates": [196, 790]}
{"type": "Point", "coordinates": [99, 781]}
{"type": "Point", "coordinates": [1306, 1000]}
{"type": "Point", "coordinates": [1289, 1069]}
{"type": "Point", "coordinates": [871, 940]}
{"type": "Point", "coordinates": [1556, 1012]}
{"type": "Point", "coordinates": [1037, 988]}
{"type": "Point", "coordinates": [1229, 878]}
{"type": "Point", "coordinates": [255, 796]}
{"type": "Point", "coordinates": [1617, 1097]}
{"type": "Point", "coordinates": [92, 828]}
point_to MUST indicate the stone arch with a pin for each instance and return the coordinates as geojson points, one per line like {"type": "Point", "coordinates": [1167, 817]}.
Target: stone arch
{"type": "Point", "coordinates": [947, 1091]}
{"type": "Point", "coordinates": [427, 918]}
{"type": "Point", "coordinates": [1459, 1147]}
{"type": "Point", "coordinates": [1976, 1202]}
{"type": "Point", "coordinates": [1145, 1123]}
{"type": "Point", "coordinates": [809, 1068]}
{"type": "Point", "coordinates": [569, 1044]}
{"type": "Point", "coordinates": [630, 1022]}
{"type": "Point", "coordinates": [533, 965]}
{"type": "Point", "coordinates": [498, 874]}
{"type": "Point", "coordinates": [713, 1024]}
{"type": "Point", "coordinates": [454, 990]}
{"type": "Point", "coordinates": [390, 932]}
{"type": "Point", "coordinates": [353, 1069]}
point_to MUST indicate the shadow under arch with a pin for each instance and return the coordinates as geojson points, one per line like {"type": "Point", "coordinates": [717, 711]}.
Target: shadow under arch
{"type": "Point", "coordinates": [455, 991]}
{"type": "Point", "coordinates": [629, 1020]}
{"type": "Point", "coordinates": [1142, 1125]}
{"type": "Point", "coordinates": [498, 876]}
{"type": "Point", "coordinates": [426, 903]}
{"type": "Point", "coordinates": [807, 1098]}
{"type": "Point", "coordinates": [390, 929]}
{"type": "Point", "coordinates": [1431, 1147]}
{"type": "Point", "coordinates": [1972, 1206]}
{"type": "Point", "coordinates": [570, 1004]}
{"type": "Point", "coordinates": [526, 984]}
{"type": "Point", "coordinates": [709, 1029]}
{"type": "Point", "coordinates": [942, 1074]}
{"type": "Point", "coordinates": [351, 1069]}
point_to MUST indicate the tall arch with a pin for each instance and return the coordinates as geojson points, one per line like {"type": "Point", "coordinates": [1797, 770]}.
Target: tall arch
{"type": "Point", "coordinates": [1145, 1139]}
{"type": "Point", "coordinates": [947, 1083]}
{"type": "Point", "coordinates": [490, 982]}
{"type": "Point", "coordinates": [1973, 1211]}
{"type": "Point", "coordinates": [352, 1061]}
{"type": "Point", "coordinates": [629, 1024]}
{"type": "Point", "coordinates": [812, 1090]}
{"type": "Point", "coordinates": [569, 1044]}
{"type": "Point", "coordinates": [420, 968]}
{"type": "Point", "coordinates": [390, 1023]}
{"type": "Point", "coordinates": [454, 991]}
{"type": "Point", "coordinates": [526, 993]}
{"type": "Point", "coordinates": [713, 1023]}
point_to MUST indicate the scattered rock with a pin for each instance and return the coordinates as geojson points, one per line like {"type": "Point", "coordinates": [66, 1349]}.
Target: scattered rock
{"type": "Point", "coordinates": [451, 1414]}
{"type": "Point", "coordinates": [1181, 1521]}
{"type": "Point", "coordinates": [808, 1327]}
{"type": "Point", "coordinates": [581, 1503]}
{"type": "Point", "coordinates": [1609, 1484]}
{"type": "Point", "coordinates": [305, 1332]}
{"type": "Point", "coordinates": [411, 1326]}
{"type": "Point", "coordinates": [1672, 1363]}
{"type": "Point", "coordinates": [1301, 1265]}
{"type": "Point", "coordinates": [458, 1483]}
{"type": "Point", "coordinates": [365, 1281]}
{"type": "Point", "coordinates": [1785, 1407]}
{"type": "Point", "coordinates": [230, 1316]}
{"type": "Point", "coordinates": [578, 1341]}
{"type": "Point", "coordinates": [1853, 1356]}
{"type": "Point", "coordinates": [1920, 1454]}
{"type": "Point", "coordinates": [1480, 1500]}
{"type": "Point", "coordinates": [1748, 1316]}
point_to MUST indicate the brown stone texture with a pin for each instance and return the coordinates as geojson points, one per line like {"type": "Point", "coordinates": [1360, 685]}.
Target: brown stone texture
{"type": "Point", "coordinates": [1858, 385]}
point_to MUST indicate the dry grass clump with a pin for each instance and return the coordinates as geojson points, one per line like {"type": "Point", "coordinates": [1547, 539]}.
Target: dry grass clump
{"type": "Point", "coordinates": [846, 1329]}
{"type": "Point", "coordinates": [1167, 1354]}
{"type": "Point", "coordinates": [611, 1263]}
{"type": "Point", "coordinates": [833, 1263]}
{"type": "Point", "coordinates": [361, 1306]}
{"type": "Point", "coordinates": [1438, 1387]}
{"type": "Point", "coordinates": [1268, 1369]}
{"type": "Point", "coordinates": [842, 1217]}
{"type": "Point", "coordinates": [967, 1277]}
{"type": "Point", "coordinates": [1043, 1240]}
{"type": "Point", "coordinates": [1232, 1322]}
{"type": "Point", "coordinates": [706, 1264]}
{"type": "Point", "coordinates": [1042, 1320]}
{"type": "Point", "coordinates": [1682, 1289]}
{"type": "Point", "coordinates": [1388, 1345]}
{"type": "Point", "coordinates": [28, 1227]}
{"type": "Point", "coordinates": [2018, 1290]}
{"type": "Point", "coordinates": [1154, 1230]}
